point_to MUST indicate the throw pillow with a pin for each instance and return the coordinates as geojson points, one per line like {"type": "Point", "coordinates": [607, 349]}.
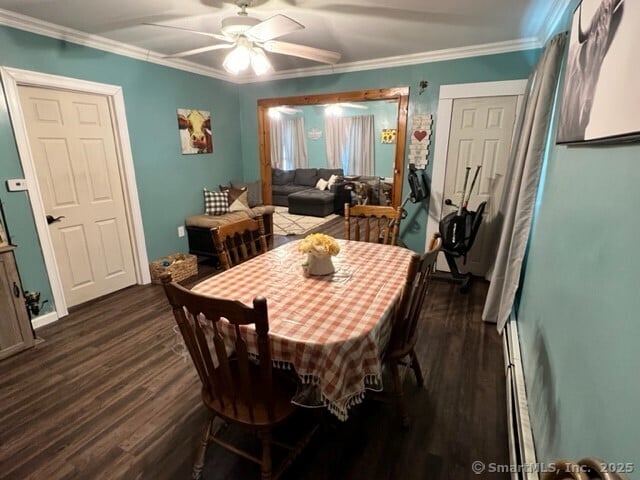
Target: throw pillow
{"type": "Point", "coordinates": [332, 180]}
{"type": "Point", "coordinates": [232, 193]}
{"type": "Point", "coordinates": [327, 172]}
{"type": "Point", "coordinates": [240, 204]}
{"type": "Point", "coordinates": [322, 184]}
{"type": "Point", "coordinates": [254, 189]}
{"type": "Point", "coordinates": [215, 203]}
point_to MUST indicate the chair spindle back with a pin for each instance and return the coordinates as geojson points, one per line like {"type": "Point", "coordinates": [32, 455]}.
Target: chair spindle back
{"type": "Point", "coordinates": [239, 241]}
{"type": "Point", "coordinates": [228, 384]}
{"type": "Point", "coordinates": [414, 294]}
{"type": "Point", "coordinates": [372, 223]}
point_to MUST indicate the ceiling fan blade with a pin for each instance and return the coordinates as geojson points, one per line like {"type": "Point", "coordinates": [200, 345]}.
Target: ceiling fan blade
{"type": "Point", "coordinates": [197, 32]}
{"type": "Point", "coordinates": [196, 51]}
{"type": "Point", "coordinates": [273, 27]}
{"type": "Point", "coordinates": [302, 51]}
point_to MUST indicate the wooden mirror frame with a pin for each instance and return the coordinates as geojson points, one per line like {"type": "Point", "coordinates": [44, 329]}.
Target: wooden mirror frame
{"type": "Point", "coordinates": [401, 94]}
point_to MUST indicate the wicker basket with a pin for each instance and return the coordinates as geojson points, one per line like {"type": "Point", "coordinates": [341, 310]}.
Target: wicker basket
{"type": "Point", "coordinates": [181, 266]}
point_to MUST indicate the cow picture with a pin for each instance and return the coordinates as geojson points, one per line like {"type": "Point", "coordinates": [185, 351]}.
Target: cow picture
{"type": "Point", "coordinates": [601, 96]}
{"type": "Point", "coordinates": [195, 131]}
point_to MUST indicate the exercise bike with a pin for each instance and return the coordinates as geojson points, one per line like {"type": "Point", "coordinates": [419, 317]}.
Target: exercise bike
{"type": "Point", "coordinates": [459, 230]}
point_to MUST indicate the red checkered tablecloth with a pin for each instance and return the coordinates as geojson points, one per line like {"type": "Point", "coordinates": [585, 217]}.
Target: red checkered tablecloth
{"type": "Point", "coordinates": [331, 330]}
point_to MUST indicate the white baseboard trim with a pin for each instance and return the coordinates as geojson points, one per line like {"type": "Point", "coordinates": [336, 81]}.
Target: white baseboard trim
{"type": "Point", "coordinates": [46, 319]}
{"type": "Point", "coordinates": [521, 444]}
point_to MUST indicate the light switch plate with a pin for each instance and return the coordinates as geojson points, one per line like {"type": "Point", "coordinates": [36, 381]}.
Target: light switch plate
{"type": "Point", "coordinates": [16, 184]}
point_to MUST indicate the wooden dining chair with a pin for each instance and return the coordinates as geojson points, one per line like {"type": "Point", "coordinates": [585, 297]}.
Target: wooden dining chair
{"type": "Point", "coordinates": [401, 350]}
{"type": "Point", "coordinates": [235, 388]}
{"type": "Point", "coordinates": [239, 241]}
{"type": "Point", "coordinates": [372, 223]}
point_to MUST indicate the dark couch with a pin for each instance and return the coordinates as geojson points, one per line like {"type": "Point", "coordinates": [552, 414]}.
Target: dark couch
{"type": "Point", "coordinates": [286, 182]}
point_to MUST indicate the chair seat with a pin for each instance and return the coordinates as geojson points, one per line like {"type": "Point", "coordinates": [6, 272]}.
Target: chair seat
{"type": "Point", "coordinates": [284, 388]}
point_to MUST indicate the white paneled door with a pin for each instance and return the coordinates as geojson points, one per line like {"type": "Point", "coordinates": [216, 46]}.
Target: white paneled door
{"type": "Point", "coordinates": [72, 141]}
{"type": "Point", "coordinates": [481, 133]}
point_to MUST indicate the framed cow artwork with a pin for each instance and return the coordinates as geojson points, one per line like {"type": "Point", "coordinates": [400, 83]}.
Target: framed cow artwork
{"type": "Point", "coordinates": [600, 94]}
{"type": "Point", "coordinates": [195, 131]}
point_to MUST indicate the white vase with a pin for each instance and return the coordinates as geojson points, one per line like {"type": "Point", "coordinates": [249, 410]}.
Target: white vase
{"type": "Point", "coordinates": [319, 264]}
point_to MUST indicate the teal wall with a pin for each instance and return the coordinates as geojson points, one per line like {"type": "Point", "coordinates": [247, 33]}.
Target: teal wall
{"type": "Point", "coordinates": [169, 184]}
{"type": "Point", "coordinates": [579, 295]}
{"type": "Point", "coordinates": [578, 313]}
{"type": "Point", "coordinates": [385, 116]}
{"type": "Point", "coordinates": [314, 119]}
{"type": "Point", "coordinates": [507, 66]}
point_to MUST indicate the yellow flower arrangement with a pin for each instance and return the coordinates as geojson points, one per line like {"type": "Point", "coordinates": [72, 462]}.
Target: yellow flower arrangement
{"type": "Point", "coordinates": [319, 244]}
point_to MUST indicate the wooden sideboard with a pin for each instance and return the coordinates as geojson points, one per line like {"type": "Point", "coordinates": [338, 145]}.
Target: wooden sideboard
{"type": "Point", "coordinates": [15, 327]}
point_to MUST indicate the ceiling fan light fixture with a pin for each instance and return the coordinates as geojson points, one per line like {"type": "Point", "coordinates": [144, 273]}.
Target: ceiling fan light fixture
{"type": "Point", "coordinates": [238, 59]}
{"type": "Point", "coordinates": [259, 61]}
{"type": "Point", "coordinates": [249, 38]}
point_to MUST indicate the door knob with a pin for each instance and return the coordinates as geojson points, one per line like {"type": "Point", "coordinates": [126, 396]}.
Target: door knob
{"type": "Point", "coordinates": [51, 219]}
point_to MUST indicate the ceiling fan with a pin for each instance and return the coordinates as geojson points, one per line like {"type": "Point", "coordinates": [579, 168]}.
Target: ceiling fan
{"type": "Point", "coordinates": [249, 37]}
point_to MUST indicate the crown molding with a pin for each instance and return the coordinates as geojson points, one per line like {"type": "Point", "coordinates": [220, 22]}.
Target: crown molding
{"type": "Point", "coordinates": [40, 27]}
{"type": "Point", "coordinates": [402, 60]}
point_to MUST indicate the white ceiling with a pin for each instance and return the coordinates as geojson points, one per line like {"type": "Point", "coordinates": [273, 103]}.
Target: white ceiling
{"type": "Point", "coordinates": [368, 33]}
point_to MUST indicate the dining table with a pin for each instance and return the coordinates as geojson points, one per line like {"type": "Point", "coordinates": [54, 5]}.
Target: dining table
{"type": "Point", "coordinates": [330, 330]}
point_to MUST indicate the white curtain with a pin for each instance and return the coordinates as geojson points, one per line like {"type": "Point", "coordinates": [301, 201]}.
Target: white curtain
{"type": "Point", "coordinates": [349, 142]}
{"type": "Point", "coordinates": [521, 184]}
{"type": "Point", "coordinates": [288, 143]}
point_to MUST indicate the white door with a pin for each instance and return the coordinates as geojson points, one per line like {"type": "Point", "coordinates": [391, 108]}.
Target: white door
{"type": "Point", "coordinates": [481, 133]}
{"type": "Point", "coordinates": [72, 141]}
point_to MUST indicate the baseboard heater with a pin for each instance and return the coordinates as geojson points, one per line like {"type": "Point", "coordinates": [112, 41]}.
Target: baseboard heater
{"type": "Point", "coordinates": [521, 446]}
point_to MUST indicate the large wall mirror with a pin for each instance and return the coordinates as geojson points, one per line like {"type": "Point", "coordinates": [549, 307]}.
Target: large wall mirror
{"type": "Point", "coordinates": [332, 127]}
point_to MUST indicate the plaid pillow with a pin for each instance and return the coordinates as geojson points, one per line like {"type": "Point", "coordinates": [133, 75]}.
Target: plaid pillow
{"type": "Point", "coordinates": [215, 203]}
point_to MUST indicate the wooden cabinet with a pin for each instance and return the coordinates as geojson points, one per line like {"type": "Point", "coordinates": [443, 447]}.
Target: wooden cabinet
{"type": "Point", "coordinates": [15, 327]}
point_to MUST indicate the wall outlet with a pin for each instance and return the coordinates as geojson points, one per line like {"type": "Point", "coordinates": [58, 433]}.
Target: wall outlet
{"type": "Point", "coordinates": [181, 231]}
{"type": "Point", "coordinates": [16, 184]}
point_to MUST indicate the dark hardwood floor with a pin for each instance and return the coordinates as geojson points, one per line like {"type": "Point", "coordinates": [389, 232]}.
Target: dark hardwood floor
{"type": "Point", "coordinates": [105, 396]}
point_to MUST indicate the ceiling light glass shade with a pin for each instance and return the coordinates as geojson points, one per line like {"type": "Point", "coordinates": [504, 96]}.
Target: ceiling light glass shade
{"type": "Point", "coordinates": [238, 59]}
{"type": "Point", "coordinates": [259, 61]}
{"type": "Point", "coordinates": [333, 111]}
{"type": "Point", "coordinates": [274, 113]}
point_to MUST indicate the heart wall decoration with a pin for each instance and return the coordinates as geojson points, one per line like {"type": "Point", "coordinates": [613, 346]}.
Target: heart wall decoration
{"type": "Point", "coordinates": [420, 135]}
{"type": "Point", "coordinates": [420, 140]}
